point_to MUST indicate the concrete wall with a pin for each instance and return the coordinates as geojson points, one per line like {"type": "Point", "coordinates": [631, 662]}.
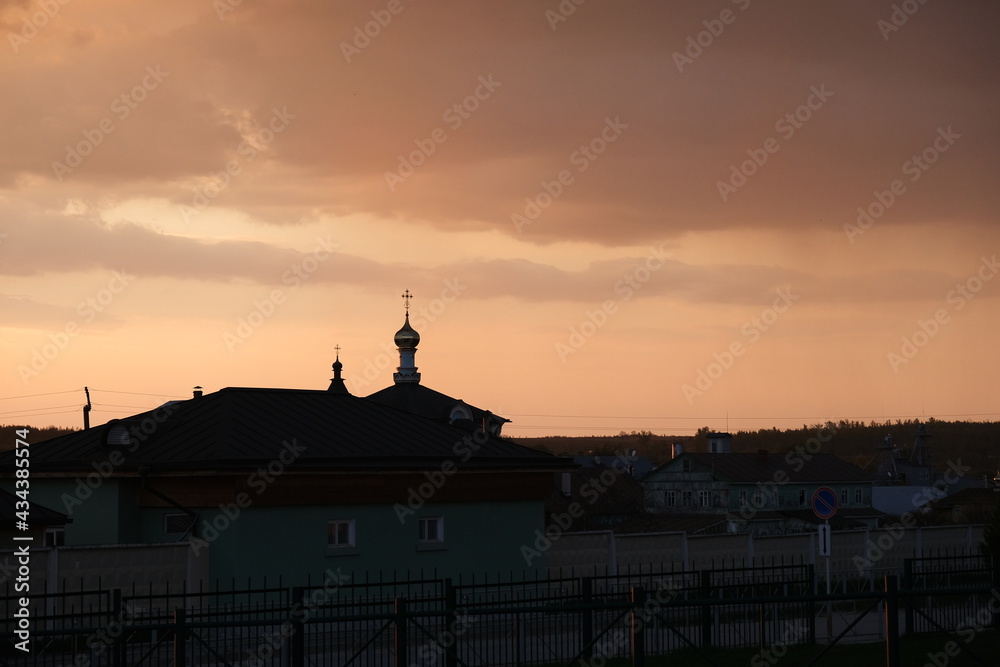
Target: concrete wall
{"type": "Point", "coordinates": [860, 552]}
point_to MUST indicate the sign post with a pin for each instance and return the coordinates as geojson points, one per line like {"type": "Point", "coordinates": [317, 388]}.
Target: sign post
{"type": "Point", "coordinates": [824, 506]}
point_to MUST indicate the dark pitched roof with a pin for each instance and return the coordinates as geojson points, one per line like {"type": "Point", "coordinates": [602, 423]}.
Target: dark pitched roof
{"type": "Point", "coordinates": [241, 428]}
{"type": "Point", "coordinates": [750, 468]}
{"type": "Point", "coordinates": [417, 399]}
{"type": "Point", "coordinates": [38, 515]}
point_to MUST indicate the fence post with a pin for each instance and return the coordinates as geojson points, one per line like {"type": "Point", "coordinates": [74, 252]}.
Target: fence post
{"type": "Point", "coordinates": [638, 627]}
{"type": "Point", "coordinates": [891, 622]}
{"type": "Point", "coordinates": [706, 609]}
{"type": "Point", "coordinates": [402, 641]}
{"type": "Point", "coordinates": [180, 638]}
{"type": "Point", "coordinates": [298, 643]}
{"type": "Point", "coordinates": [451, 622]}
{"type": "Point", "coordinates": [995, 558]}
{"type": "Point", "coordinates": [587, 616]}
{"type": "Point", "coordinates": [908, 586]}
{"type": "Point", "coordinates": [811, 605]}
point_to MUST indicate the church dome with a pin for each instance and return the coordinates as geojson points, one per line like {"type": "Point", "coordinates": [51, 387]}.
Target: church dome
{"type": "Point", "coordinates": [407, 337]}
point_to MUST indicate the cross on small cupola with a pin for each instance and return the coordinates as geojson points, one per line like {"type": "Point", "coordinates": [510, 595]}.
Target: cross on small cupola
{"type": "Point", "coordinates": [406, 300]}
{"type": "Point", "coordinates": [337, 382]}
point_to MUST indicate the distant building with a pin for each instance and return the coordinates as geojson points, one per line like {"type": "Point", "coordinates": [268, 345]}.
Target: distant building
{"type": "Point", "coordinates": [288, 482]}
{"type": "Point", "coordinates": [906, 483]}
{"type": "Point", "coordinates": [762, 493]}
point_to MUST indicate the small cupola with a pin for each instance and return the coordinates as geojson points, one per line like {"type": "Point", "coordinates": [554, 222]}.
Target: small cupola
{"type": "Point", "coordinates": [406, 340]}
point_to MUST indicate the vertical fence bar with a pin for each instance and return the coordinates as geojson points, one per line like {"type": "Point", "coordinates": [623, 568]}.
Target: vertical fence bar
{"type": "Point", "coordinates": [706, 610]}
{"type": "Point", "coordinates": [587, 615]}
{"type": "Point", "coordinates": [451, 622]}
{"type": "Point", "coordinates": [908, 586]}
{"type": "Point", "coordinates": [180, 638]}
{"type": "Point", "coordinates": [118, 643]}
{"type": "Point", "coordinates": [401, 638]}
{"type": "Point", "coordinates": [891, 622]}
{"type": "Point", "coordinates": [297, 653]}
{"type": "Point", "coordinates": [638, 627]}
{"type": "Point", "coordinates": [811, 605]}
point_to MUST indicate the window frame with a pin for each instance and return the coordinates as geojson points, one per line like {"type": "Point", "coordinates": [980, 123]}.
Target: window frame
{"type": "Point", "coordinates": [331, 532]}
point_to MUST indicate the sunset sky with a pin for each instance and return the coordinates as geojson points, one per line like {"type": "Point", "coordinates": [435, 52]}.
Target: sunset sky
{"type": "Point", "coordinates": [612, 215]}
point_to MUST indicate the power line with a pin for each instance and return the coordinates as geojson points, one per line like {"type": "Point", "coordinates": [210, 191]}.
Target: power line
{"type": "Point", "coordinates": [137, 393]}
{"type": "Point", "coordinates": [51, 393]}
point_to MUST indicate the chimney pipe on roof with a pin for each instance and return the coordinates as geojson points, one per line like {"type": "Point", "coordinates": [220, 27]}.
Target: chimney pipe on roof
{"type": "Point", "coordinates": [197, 392]}
{"type": "Point", "coordinates": [677, 450]}
{"type": "Point", "coordinates": [86, 410]}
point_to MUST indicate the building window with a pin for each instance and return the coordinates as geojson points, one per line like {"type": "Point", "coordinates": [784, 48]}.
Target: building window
{"type": "Point", "coordinates": [758, 499]}
{"type": "Point", "coordinates": [686, 496]}
{"type": "Point", "coordinates": [431, 529]}
{"type": "Point", "coordinates": [704, 498]}
{"type": "Point", "coordinates": [743, 498]}
{"type": "Point", "coordinates": [55, 537]}
{"type": "Point", "coordinates": [687, 465]}
{"type": "Point", "coordinates": [843, 496]}
{"type": "Point", "coordinates": [858, 496]}
{"type": "Point", "coordinates": [802, 497]}
{"type": "Point", "coordinates": [671, 498]}
{"type": "Point", "coordinates": [177, 524]}
{"type": "Point", "coordinates": [340, 533]}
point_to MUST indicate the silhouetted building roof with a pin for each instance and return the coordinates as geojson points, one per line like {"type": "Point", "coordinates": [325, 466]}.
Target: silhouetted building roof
{"type": "Point", "coordinates": [237, 428]}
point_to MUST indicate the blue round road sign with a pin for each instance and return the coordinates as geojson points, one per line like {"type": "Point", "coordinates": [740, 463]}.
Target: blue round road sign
{"type": "Point", "coordinates": [824, 502]}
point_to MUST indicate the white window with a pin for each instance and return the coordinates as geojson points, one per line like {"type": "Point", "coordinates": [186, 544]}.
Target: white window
{"type": "Point", "coordinates": [704, 498]}
{"type": "Point", "coordinates": [802, 497]}
{"type": "Point", "coordinates": [743, 498]}
{"type": "Point", "coordinates": [671, 498]}
{"type": "Point", "coordinates": [858, 496]}
{"type": "Point", "coordinates": [431, 529]}
{"type": "Point", "coordinates": [758, 499]}
{"type": "Point", "coordinates": [340, 533]}
{"type": "Point", "coordinates": [843, 496]}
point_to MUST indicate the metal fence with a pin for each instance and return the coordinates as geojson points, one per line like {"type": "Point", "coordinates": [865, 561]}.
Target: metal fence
{"type": "Point", "coordinates": [503, 621]}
